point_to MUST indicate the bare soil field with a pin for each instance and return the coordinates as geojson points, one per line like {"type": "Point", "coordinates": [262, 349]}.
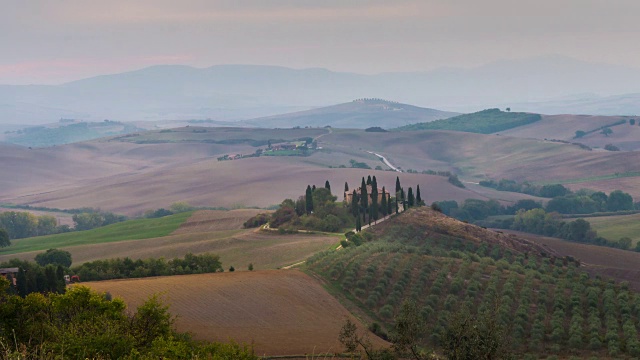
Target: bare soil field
{"type": "Point", "coordinates": [564, 127]}
{"type": "Point", "coordinates": [216, 220]}
{"type": "Point", "coordinates": [621, 265]}
{"type": "Point", "coordinates": [130, 178]}
{"type": "Point", "coordinates": [280, 312]}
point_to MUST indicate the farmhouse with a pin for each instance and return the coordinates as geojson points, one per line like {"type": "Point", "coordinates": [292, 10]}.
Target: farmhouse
{"type": "Point", "coordinates": [348, 195]}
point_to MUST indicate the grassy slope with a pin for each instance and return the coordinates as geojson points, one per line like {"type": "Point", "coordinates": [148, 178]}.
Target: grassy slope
{"type": "Point", "coordinates": [127, 230]}
{"type": "Point", "coordinates": [483, 122]}
{"type": "Point", "coordinates": [449, 269]}
{"type": "Point", "coordinates": [616, 227]}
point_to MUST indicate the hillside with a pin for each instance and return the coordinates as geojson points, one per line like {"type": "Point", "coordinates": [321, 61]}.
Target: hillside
{"type": "Point", "coordinates": [482, 122]}
{"type": "Point", "coordinates": [281, 312]}
{"type": "Point", "coordinates": [548, 305]}
{"type": "Point", "coordinates": [360, 114]}
{"type": "Point", "coordinates": [213, 231]}
{"type": "Point", "coordinates": [235, 92]}
{"type": "Point", "coordinates": [66, 133]}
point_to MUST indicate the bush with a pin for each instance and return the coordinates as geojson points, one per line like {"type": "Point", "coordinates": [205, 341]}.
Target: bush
{"type": "Point", "coordinates": [54, 257]}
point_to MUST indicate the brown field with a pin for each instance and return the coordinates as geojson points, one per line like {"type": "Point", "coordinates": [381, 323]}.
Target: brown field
{"type": "Point", "coordinates": [218, 232]}
{"type": "Point", "coordinates": [130, 178]}
{"type": "Point", "coordinates": [280, 312]}
{"type": "Point", "coordinates": [564, 127]}
{"type": "Point", "coordinates": [621, 265]}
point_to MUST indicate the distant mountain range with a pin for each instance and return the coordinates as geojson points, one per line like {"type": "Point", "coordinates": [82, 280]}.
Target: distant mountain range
{"type": "Point", "coordinates": [233, 92]}
{"type": "Point", "coordinates": [359, 114]}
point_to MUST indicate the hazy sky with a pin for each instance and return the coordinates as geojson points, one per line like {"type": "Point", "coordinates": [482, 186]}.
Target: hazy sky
{"type": "Point", "coordinates": [52, 41]}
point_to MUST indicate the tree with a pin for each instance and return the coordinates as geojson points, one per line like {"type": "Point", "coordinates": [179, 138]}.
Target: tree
{"type": "Point", "coordinates": [410, 198]}
{"type": "Point", "coordinates": [580, 134]}
{"type": "Point", "coordinates": [181, 206]}
{"type": "Point", "coordinates": [327, 185]}
{"type": "Point", "coordinates": [4, 238]}
{"type": "Point", "coordinates": [374, 199]}
{"type": "Point", "coordinates": [606, 131]}
{"type": "Point", "coordinates": [358, 224]}
{"type": "Point", "coordinates": [410, 330]}
{"type": "Point", "coordinates": [625, 243]}
{"type": "Point", "coordinates": [508, 109]}
{"type": "Point", "coordinates": [21, 282]}
{"type": "Point", "coordinates": [475, 337]}
{"type": "Point", "coordinates": [619, 200]}
{"type": "Point", "coordinates": [419, 201]}
{"type": "Point", "coordinates": [398, 187]}
{"type": "Point", "coordinates": [383, 203]}
{"type": "Point", "coordinates": [346, 187]}
{"type": "Point", "coordinates": [55, 257]}
{"type": "Point", "coordinates": [232, 269]}
{"type": "Point", "coordinates": [309, 200]}
{"type": "Point", "coordinates": [632, 122]}
{"type": "Point", "coordinates": [369, 180]}
{"type": "Point", "coordinates": [250, 267]}
{"type": "Point", "coordinates": [355, 210]}
{"type": "Point", "coordinates": [364, 200]}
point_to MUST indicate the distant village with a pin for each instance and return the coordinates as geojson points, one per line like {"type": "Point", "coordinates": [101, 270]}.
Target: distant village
{"type": "Point", "coordinates": [304, 147]}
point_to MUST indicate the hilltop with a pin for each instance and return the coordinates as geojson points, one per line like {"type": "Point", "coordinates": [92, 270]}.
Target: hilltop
{"type": "Point", "coordinates": [361, 114]}
{"type": "Point", "coordinates": [482, 122]}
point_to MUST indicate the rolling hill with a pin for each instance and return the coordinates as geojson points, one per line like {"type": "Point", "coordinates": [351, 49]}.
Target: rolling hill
{"type": "Point", "coordinates": [481, 122]}
{"type": "Point", "coordinates": [546, 303]}
{"type": "Point", "coordinates": [235, 92]}
{"type": "Point", "coordinates": [361, 114]}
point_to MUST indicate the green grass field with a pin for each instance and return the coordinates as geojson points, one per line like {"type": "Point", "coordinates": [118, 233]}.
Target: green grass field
{"type": "Point", "coordinates": [616, 227]}
{"type": "Point", "coordinates": [127, 230]}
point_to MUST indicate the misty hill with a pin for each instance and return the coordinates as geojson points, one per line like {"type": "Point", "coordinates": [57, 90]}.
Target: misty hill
{"type": "Point", "coordinates": [362, 113]}
{"type": "Point", "coordinates": [67, 132]}
{"type": "Point", "coordinates": [233, 92]}
{"type": "Point", "coordinates": [482, 122]}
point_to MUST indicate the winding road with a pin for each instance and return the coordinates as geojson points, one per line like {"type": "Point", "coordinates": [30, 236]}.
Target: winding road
{"type": "Point", "coordinates": [384, 159]}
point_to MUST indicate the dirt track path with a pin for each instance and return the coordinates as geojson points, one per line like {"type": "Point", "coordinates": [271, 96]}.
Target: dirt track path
{"type": "Point", "coordinates": [384, 159]}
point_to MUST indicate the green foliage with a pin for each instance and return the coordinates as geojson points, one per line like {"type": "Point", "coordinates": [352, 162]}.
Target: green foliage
{"type": "Point", "coordinates": [256, 221]}
{"type": "Point", "coordinates": [127, 230]}
{"type": "Point", "coordinates": [358, 165]}
{"type": "Point", "coordinates": [54, 257]}
{"type": "Point", "coordinates": [4, 238]}
{"type": "Point", "coordinates": [126, 268]}
{"type": "Point", "coordinates": [85, 324]}
{"type": "Point", "coordinates": [92, 220]}
{"type": "Point", "coordinates": [483, 122]}
{"type": "Point", "coordinates": [548, 304]}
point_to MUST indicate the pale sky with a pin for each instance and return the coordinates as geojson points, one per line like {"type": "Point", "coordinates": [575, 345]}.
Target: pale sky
{"type": "Point", "coordinates": [53, 41]}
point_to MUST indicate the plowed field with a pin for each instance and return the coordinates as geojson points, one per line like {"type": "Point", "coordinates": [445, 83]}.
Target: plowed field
{"type": "Point", "coordinates": [282, 312]}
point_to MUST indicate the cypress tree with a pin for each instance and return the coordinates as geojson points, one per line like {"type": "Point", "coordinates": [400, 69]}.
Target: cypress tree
{"type": "Point", "coordinates": [398, 187]}
{"type": "Point", "coordinates": [327, 185]}
{"type": "Point", "coordinates": [313, 188]}
{"type": "Point", "coordinates": [60, 279]}
{"type": "Point", "coordinates": [51, 282]}
{"type": "Point", "coordinates": [418, 198]}
{"type": "Point", "coordinates": [346, 186]}
{"type": "Point", "coordinates": [364, 199]}
{"type": "Point", "coordinates": [358, 224]}
{"type": "Point", "coordinates": [21, 283]}
{"type": "Point", "coordinates": [390, 205]}
{"type": "Point", "coordinates": [410, 197]}
{"type": "Point", "coordinates": [374, 199]}
{"type": "Point", "coordinates": [355, 210]}
{"type": "Point", "coordinates": [397, 205]}
{"type": "Point", "coordinates": [309, 199]}
{"type": "Point", "coordinates": [383, 203]}
{"type": "Point", "coordinates": [403, 200]}
{"type": "Point", "coordinates": [369, 180]}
